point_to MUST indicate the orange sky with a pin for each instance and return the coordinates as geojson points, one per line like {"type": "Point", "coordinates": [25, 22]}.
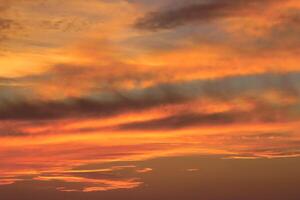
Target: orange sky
{"type": "Point", "coordinates": [85, 82]}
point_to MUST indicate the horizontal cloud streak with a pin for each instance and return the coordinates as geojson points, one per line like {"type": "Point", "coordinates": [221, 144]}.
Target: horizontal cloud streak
{"type": "Point", "coordinates": [112, 103]}
{"type": "Point", "coordinates": [90, 83]}
{"type": "Point", "coordinates": [181, 121]}
{"type": "Point", "coordinates": [201, 12]}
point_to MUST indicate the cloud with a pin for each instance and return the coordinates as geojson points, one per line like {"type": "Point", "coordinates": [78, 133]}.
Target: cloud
{"type": "Point", "coordinates": [283, 35]}
{"type": "Point", "coordinates": [7, 27]}
{"type": "Point", "coordinates": [269, 92]}
{"type": "Point", "coordinates": [5, 24]}
{"type": "Point", "coordinates": [200, 12]}
{"type": "Point", "coordinates": [182, 121]}
{"type": "Point", "coordinates": [89, 180]}
{"type": "Point", "coordinates": [11, 132]}
{"type": "Point", "coordinates": [260, 114]}
{"type": "Point", "coordinates": [84, 107]}
{"type": "Point", "coordinates": [85, 86]}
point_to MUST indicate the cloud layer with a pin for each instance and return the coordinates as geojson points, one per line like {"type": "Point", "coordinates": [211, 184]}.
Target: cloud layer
{"type": "Point", "coordinates": [84, 83]}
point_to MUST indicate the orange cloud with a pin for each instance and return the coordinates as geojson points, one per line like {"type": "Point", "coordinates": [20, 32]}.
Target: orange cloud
{"type": "Point", "coordinates": [91, 86]}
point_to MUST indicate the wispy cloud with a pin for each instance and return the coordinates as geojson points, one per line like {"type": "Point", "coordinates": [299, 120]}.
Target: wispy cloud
{"type": "Point", "coordinates": [200, 11]}
{"type": "Point", "coordinates": [89, 82]}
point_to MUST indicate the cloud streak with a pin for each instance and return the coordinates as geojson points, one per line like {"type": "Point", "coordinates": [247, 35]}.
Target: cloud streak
{"type": "Point", "coordinates": [200, 12]}
{"type": "Point", "coordinates": [118, 81]}
{"type": "Point", "coordinates": [116, 102]}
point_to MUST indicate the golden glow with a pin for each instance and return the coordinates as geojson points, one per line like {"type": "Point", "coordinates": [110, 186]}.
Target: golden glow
{"type": "Point", "coordinates": [81, 83]}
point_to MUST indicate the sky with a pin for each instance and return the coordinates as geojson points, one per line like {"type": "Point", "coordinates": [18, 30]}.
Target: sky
{"type": "Point", "coordinates": [140, 99]}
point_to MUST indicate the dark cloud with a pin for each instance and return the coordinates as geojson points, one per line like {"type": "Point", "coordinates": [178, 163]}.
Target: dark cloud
{"type": "Point", "coordinates": [84, 107]}
{"type": "Point", "coordinates": [102, 104]}
{"type": "Point", "coordinates": [260, 114]}
{"type": "Point", "coordinates": [199, 11]}
{"type": "Point", "coordinates": [181, 121]}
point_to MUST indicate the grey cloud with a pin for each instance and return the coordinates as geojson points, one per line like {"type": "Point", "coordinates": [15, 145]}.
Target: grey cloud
{"type": "Point", "coordinates": [182, 121]}
{"type": "Point", "coordinates": [199, 11]}
{"type": "Point", "coordinates": [84, 107]}
{"type": "Point", "coordinates": [112, 102]}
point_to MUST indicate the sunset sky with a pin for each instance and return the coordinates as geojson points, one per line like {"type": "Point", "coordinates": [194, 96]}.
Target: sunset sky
{"type": "Point", "coordinates": [124, 99]}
